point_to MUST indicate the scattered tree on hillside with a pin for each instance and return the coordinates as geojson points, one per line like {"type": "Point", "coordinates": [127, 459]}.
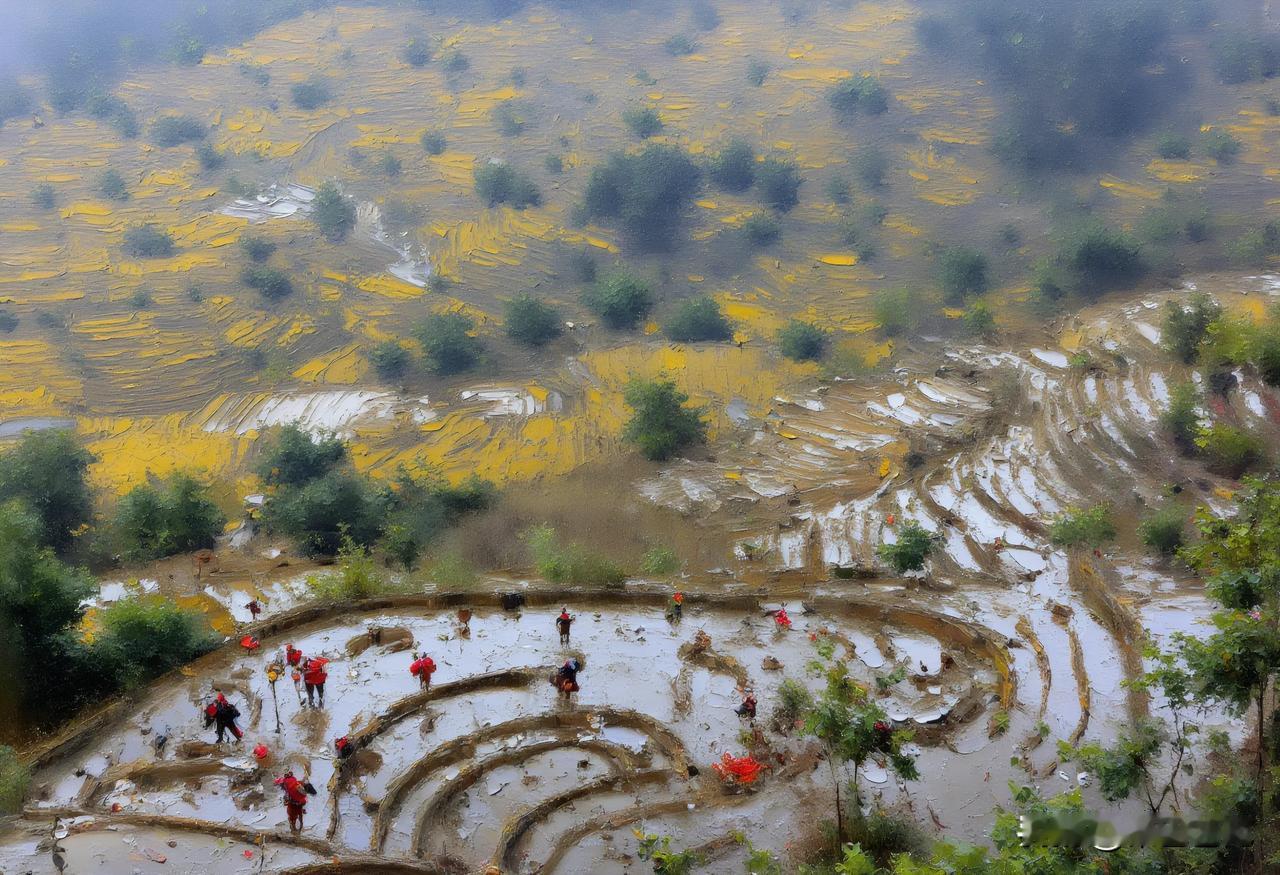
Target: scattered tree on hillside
{"type": "Point", "coordinates": [173, 516]}
{"type": "Point", "coordinates": [620, 300]}
{"type": "Point", "coordinates": [334, 214]}
{"type": "Point", "coordinates": [698, 319]}
{"type": "Point", "coordinates": [734, 167]}
{"type": "Point", "coordinates": [802, 341]}
{"type": "Point", "coordinates": [647, 193]}
{"type": "Point", "coordinates": [448, 342]}
{"type": "Point", "coordinates": [46, 470]}
{"type": "Point", "coordinates": [147, 241]}
{"type": "Point", "coordinates": [661, 425]}
{"type": "Point", "coordinates": [500, 183]}
{"type": "Point", "coordinates": [532, 322]}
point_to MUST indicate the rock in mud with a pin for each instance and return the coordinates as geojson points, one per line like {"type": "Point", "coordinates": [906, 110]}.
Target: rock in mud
{"type": "Point", "coordinates": [771, 663]}
{"type": "Point", "coordinates": [191, 749]}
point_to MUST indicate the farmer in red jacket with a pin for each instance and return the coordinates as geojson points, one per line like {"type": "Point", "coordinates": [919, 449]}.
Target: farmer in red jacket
{"type": "Point", "coordinates": [314, 676]}
{"type": "Point", "coordinates": [295, 799]}
{"type": "Point", "coordinates": [422, 668]}
{"type": "Point", "coordinates": [292, 655]}
{"type": "Point", "coordinates": [222, 714]}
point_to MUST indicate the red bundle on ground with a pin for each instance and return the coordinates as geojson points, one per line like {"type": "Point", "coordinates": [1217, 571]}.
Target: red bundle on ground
{"type": "Point", "coordinates": [743, 770]}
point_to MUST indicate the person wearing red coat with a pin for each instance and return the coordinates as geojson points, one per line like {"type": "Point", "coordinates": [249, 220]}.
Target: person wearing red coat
{"type": "Point", "coordinates": [222, 714]}
{"type": "Point", "coordinates": [422, 668]}
{"type": "Point", "coordinates": [295, 799]}
{"type": "Point", "coordinates": [314, 676]}
{"type": "Point", "coordinates": [292, 655]}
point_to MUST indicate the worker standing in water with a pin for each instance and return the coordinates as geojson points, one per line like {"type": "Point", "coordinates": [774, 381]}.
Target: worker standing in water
{"type": "Point", "coordinates": [314, 676]}
{"type": "Point", "coordinates": [566, 679]}
{"type": "Point", "coordinates": [222, 714]}
{"type": "Point", "coordinates": [295, 799]}
{"type": "Point", "coordinates": [563, 622]}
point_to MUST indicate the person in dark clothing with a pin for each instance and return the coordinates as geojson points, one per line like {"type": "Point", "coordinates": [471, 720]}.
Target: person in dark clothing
{"type": "Point", "coordinates": [748, 707]}
{"type": "Point", "coordinates": [314, 676]}
{"type": "Point", "coordinates": [563, 622]}
{"type": "Point", "coordinates": [254, 609]}
{"type": "Point", "coordinates": [222, 714]}
{"type": "Point", "coordinates": [566, 679]}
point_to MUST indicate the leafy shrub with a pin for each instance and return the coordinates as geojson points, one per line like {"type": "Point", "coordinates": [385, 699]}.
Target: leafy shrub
{"type": "Point", "coordinates": [761, 229]}
{"type": "Point", "coordinates": [620, 300]}
{"type": "Point", "coordinates": [1100, 259]}
{"type": "Point", "coordinates": [659, 562]}
{"type": "Point", "coordinates": [705, 15]}
{"type": "Point", "coordinates": [292, 457]}
{"type": "Point", "coordinates": [870, 164]}
{"type": "Point", "coordinates": [388, 165]}
{"type": "Point", "coordinates": [1221, 146]}
{"type": "Point", "coordinates": [357, 577]}
{"type": "Point", "coordinates": [447, 342]}
{"type": "Point", "coordinates": [698, 319]}
{"type": "Point", "coordinates": [1185, 328]}
{"type": "Point", "coordinates": [734, 168]}
{"type": "Point", "coordinates": [453, 61]}
{"type": "Point", "coordinates": [390, 360]}
{"type": "Point", "coordinates": [531, 322]}
{"type": "Point", "coordinates": [115, 112]}
{"type": "Point", "coordinates": [963, 272]}
{"type": "Point", "coordinates": [209, 157]}
{"type": "Point", "coordinates": [647, 193]}
{"type": "Point", "coordinates": [321, 512]}
{"type": "Point", "coordinates": [1181, 419]}
{"type": "Point", "coordinates": [416, 52]}
{"type": "Point", "coordinates": [1254, 248]}
{"type": "Point", "coordinates": [859, 95]}
{"type": "Point", "coordinates": [500, 183]}
{"type": "Point", "coordinates": [679, 46]}
{"type": "Point", "coordinates": [1246, 57]}
{"type": "Point", "coordinates": [145, 637]}
{"type": "Point", "coordinates": [8, 322]}
{"type": "Point", "coordinates": [894, 310]}
{"type": "Point", "coordinates": [840, 189]}
{"type": "Point", "coordinates": [1163, 530]}
{"type": "Point", "coordinates": [801, 341]}
{"type": "Point", "coordinates": [45, 470]}
{"type": "Point", "coordinates": [333, 213]}
{"type": "Point", "coordinates": [433, 142]}
{"type": "Point", "coordinates": [1173, 146]}
{"type": "Point", "coordinates": [174, 130]}
{"type": "Point", "coordinates": [270, 282]}
{"type": "Point", "coordinates": [421, 508]}
{"type": "Point", "coordinates": [757, 72]}
{"type": "Point", "coordinates": [140, 299]}
{"type": "Point", "coordinates": [794, 702]}
{"type": "Point", "coordinates": [1230, 451]}
{"type": "Point", "coordinates": [644, 122]}
{"type": "Point", "coordinates": [1083, 528]}
{"type": "Point", "coordinates": [147, 241]}
{"type": "Point", "coordinates": [661, 424]}
{"type": "Point", "coordinates": [554, 164]}
{"type": "Point", "coordinates": [978, 320]}
{"type": "Point", "coordinates": [571, 563]}
{"type": "Point", "coordinates": [15, 778]}
{"type": "Point", "coordinates": [910, 551]}
{"type": "Point", "coordinates": [42, 196]}
{"type": "Point", "coordinates": [512, 119]}
{"type": "Point", "coordinates": [257, 248]}
{"type": "Point", "coordinates": [779, 184]}
{"type": "Point", "coordinates": [312, 93]}
{"type": "Point", "coordinates": [111, 185]}
{"type": "Point", "coordinates": [453, 572]}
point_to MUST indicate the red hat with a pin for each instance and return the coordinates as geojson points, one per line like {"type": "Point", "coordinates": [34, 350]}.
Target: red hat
{"type": "Point", "coordinates": [260, 751]}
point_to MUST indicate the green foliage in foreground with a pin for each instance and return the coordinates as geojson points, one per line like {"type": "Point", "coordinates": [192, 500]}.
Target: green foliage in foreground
{"type": "Point", "coordinates": [801, 341]}
{"type": "Point", "coordinates": [1083, 528]}
{"type": "Point", "coordinates": [15, 778]}
{"type": "Point", "coordinates": [910, 551]}
{"type": "Point", "coordinates": [333, 213]}
{"type": "Point", "coordinates": [46, 471]}
{"type": "Point", "coordinates": [661, 425]}
{"type": "Point", "coordinates": [1163, 531]}
{"type": "Point", "coordinates": [569, 563]}
{"type": "Point", "coordinates": [169, 517]}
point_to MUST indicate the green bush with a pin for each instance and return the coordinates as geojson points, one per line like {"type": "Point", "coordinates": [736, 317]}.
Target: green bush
{"type": "Point", "coordinates": [334, 214]}
{"type": "Point", "coordinates": [147, 241]}
{"type": "Point", "coordinates": [270, 282]}
{"type": "Point", "coordinates": [705, 15]}
{"type": "Point", "coordinates": [292, 457]}
{"type": "Point", "coordinates": [1221, 146]}
{"type": "Point", "coordinates": [433, 142]}
{"type": "Point", "coordinates": [1100, 260]}
{"type": "Point", "coordinates": [801, 341]}
{"type": "Point", "coordinates": [145, 637]}
{"type": "Point", "coordinates": [15, 778]}
{"type": "Point", "coordinates": [115, 112]}
{"type": "Point", "coordinates": [1180, 419]}
{"type": "Point", "coordinates": [390, 360]}
{"type": "Point", "coordinates": [257, 248]}
{"type": "Point", "coordinates": [895, 311]}
{"type": "Point", "coordinates": [1174, 147]}
{"type": "Point", "coordinates": [647, 192]}
{"type": "Point", "coordinates": [357, 577]}
{"type": "Point", "coordinates": [779, 184]}
{"type": "Point", "coordinates": [421, 508]}
{"type": "Point", "coordinates": [644, 122]}
{"type": "Point", "coordinates": [911, 549]}
{"type": "Point", "coordinates": [661, 425]}
{"type": "Point", "coordinates": [978, 320]}
{"type": "Point", "coordinates": [173, 516]}
{"type": "Point", "coordinates": [1185, 328]}
{"type": "Point", "coordinates": [500, 183]}
{"type": "Point", "coordinates": [1083, 528]}
{"type": "Point", "coordinates": [1246, 56]}
{"type": "Point", "coordinates": [698, 319]}
{"type": "Point", "coordinates": [111, 186]}
{"type": "Point", "coordinates": [659, 562]}
{"type": "Point", "coordinates": [531, 322]}
{"type": "Point", "coordinates": [46, 470]}
{"type": "Point", "coordinates": [512, 118]}
{"type": "Point", "coordinates": [1230, 451]}
{"type": "Point", "coordinates": [14, 100]}
{"type": "Point", "coordinates": [8, 322]}
{"type": "Point", "coordinates": [1254, 248]}
{"type": "Point", "coordinates": [448, 343]}
{"type": "Point", "coordinates": [620, 300]}
{"type": "Point", "coordinates": [453, 572]}
{"type": "Point", "coordinates": [416, 52]}
{"type": "Point", "coordinates": [757, 72]}
{"type": "Point", "coordinates": [963, 272]}
{"type": "Point", "coordinates": [453, 61]}
{"type": "Point", "coordinates": [209, 157]}
{"type": "Point", "coordinates": [680, 45]}
{"type": "Point", "coordinates": [321, 512]}
{"type": "Point", "coordinates": [859, 95]}
{"type": "Point", "coordinates": [571, 563]}
{"type": "Point", "coordinates": [870, 164]}
{"type": "Point", "coordinates": [554, 164]}
{"type": "Point", "coordinates": [42, 196]}
{"type": "Point", "coordinates": [174, 130]}
{"type": "Point", "coordinates": [1163, 530]}
{"type": "Point", "coordinates": [761, 229]}
{"type": "Point", "coordinates": [734, 167]}
{"type": "Point", "coordinates": [839, 189]}
{"type": "Point", "coordinates": [388, 165]}
{"type": "Point", "coordinates": [312, 93]}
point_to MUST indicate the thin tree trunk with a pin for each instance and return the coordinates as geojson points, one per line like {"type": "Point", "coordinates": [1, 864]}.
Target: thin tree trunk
{"type": "Point", "coordinates": [835, 779]}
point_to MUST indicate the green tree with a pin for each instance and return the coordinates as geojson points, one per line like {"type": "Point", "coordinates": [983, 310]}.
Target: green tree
{"type": "Point", "coordinates": [1181, 419]}
{"type": "Point", "coordinates": [1185, 328]}
{"type": "Point", "coordinates": [859, 95]}
{"type": "Point", "coordinates": [173, 516]}
{"type": "Point", "coordinates": [698, 319]}
{"type": "Point", "coordinates": [15, 778]}
{"type": "Point", "coordinates": [761, 229]}
{"type": "Point", "coordinates": [46, 470]}
{"type": "Point", "coordinates": [145, 637]}
{"type": "Point", "coordinates": [895, 311]}
{"type": "Point", "coordinates": [647, 193]}
{"type": "Point", "coordinates": [449, 343]}
{"type": "Point", "coordinates": [1230, 451]}
{"type": "Point", "coordinates": [661, 424]}
{"type": "Point", "coordinates": [333, 213]}
{"type": "Point", "coordinates": [963, 272]}
{"type": "Point", "coordinates": [1091, 527]}
{"type": "Point", "coordinates": [311, 93]}
{"type": "Point", "coordinates": [1174, 147]}
{"type": "Point", "coordinates": [779, 184]}
{"type": "Point", "coordinates": [112, 186]}
{"type": "Point", "coordinates": [174, 130]}
{"type": "Point", "coordinates": [147, 241]}
{"type": "Point", "coordinates": [643, 121]}
{"type": "Point", "coordinates": [569, 563]}
{"type": "Point", "coordinates": [319, 513]}
{"type": "Point", "coordinates": [1163, 530]}
{"type": "Point", "coordinates": [270, 282]}
{"type": "Point", "coordinates": [433, 142]}
{"type": "Point", "coordinates": [1221, 146]}
{"type": "Point", "coordinates": [531, 322]}
{"type": "Point", "coordinates": [734, 167]}
{"type": "Point", "coordinates": [910, 550]}
{"type": "Point", "coordinates": [390, 360]}
{"type": "Point", "coordinates": [620, 300]}
{"type": "Point", "coordinates": [258, 249]}
{"type": "Point", "coordinates": [500, 183]}
{"type": "Point", "coordinates": [291, 456]}
{"type": "Point", "coordinates": [801, 341]}
{"type": "Point", "coordinates": [870, 164]}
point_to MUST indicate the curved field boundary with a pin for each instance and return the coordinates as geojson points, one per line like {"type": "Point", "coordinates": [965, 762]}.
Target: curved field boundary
{"type": "Point", "coordinates": [1094, 582]}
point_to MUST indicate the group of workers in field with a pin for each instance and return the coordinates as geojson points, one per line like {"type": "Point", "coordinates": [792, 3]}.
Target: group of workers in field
{"type": "Point", "coordinates": [310, 671]}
